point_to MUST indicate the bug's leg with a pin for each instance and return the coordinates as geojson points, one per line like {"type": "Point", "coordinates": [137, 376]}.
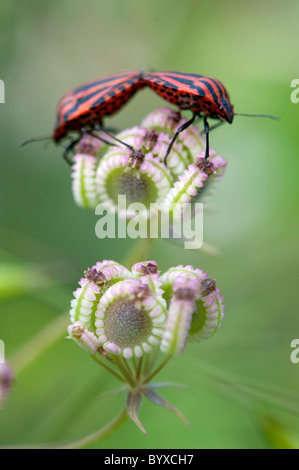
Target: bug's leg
{"type": "Point", "coordinates": [180, 129]}
{"type": "Point", "coordinates": [216, 125]}
{"type": "Point", "coordinates": [207, 130]}
{"type": "Point", "coordinates": [90, 132]}
{"type": "Point", "coordinates": [207, 154]}
{"type": "Point", "coordinates": [68, 149]}
{"type": "Point", "coordinates": [112, 130]}
{"type": "Point", "coordinates": [99, 128]}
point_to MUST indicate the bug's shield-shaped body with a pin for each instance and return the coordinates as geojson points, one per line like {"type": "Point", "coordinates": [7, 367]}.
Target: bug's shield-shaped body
{"type": "Point", "coordinates": [199, 94]}
{"type": "Point", "coordinates": [88, 104]}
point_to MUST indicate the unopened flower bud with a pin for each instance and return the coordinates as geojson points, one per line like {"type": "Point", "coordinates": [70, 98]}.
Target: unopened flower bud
{"type": "Point", "coordinates": [208, 308]}
{"type": "Point", "coordinates": [85, 338]}
{"type": "Point", "coordinates": [6, 381]}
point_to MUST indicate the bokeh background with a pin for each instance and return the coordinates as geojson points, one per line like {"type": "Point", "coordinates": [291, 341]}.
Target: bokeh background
{"type": "Point", "coordinates": [242, 388]}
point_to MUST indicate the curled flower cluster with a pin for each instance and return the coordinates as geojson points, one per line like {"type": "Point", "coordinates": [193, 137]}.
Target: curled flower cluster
{"type": "Point", "coordinates": [129, 313]}
{"type": "Point", "coordinates": [102, 173]}
{"type": "Point", "coordinates": [120, 315]}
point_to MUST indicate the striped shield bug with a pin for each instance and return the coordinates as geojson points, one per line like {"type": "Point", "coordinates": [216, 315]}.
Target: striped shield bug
{"type": "Point", "coordinates": [206, 97]}
{"type": "Point", "coordinates": [83, 109]}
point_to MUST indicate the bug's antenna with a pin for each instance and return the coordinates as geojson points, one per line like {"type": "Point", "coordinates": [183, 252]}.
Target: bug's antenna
{"type": "Point", "coordinates": [259, 115]}
{"type": "Point", "coordinates": [36, 139]}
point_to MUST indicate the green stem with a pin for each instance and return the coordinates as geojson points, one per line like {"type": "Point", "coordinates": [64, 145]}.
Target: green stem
{"type": "Point", "coordinates": [150, 361]}
{"type": "Point", "coordinates": [139, 368]}
{"type": "Point", "coordinates": [84, 442]}
{"type": "Point", "coordinates": [116, 360]}
{"type": "Point", "coordinates": [160, 367]}
{"type": "Point", "coordinates": [95, 358]}
{"type": "Point", "coordinates": [134, 360]}
{"type": "Point", "coordinates": [126, 365]}
{"type": "Point", "coordinates": [100, 434]}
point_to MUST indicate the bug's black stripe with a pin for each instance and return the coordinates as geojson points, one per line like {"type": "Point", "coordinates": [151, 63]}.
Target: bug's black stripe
{"type": "Point", "coordinates": [178, 80]}
{"type": "Point", "coordinates": [82, 100]}
{"type": "Point", "coordinates": [203, 80]}
{"type": "Point", "coordinates": [101, 100]}
{"type": "Point", "coordinates": [100, 93]}
{"type": "Point", "coordinates": [217, 85]}
{"type": "Point", "coordinates": [102, 81]}
{"type": "Point", "coordinates": [212, 91]}
{"type": "Point", "coordinates": [163, 83]}
{"type": "Point", "coordinates": [193, 86]}
{"type": "Point", "coordinates": [226, 106]}
{"type": "Point", "coordinates": [200, 77]}
{"type": "Point", "coordinates": [220, 87]}
{"type": "Point", "coordinates": [212, 84]}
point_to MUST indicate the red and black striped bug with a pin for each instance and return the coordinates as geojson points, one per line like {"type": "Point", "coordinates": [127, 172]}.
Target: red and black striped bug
{"type": "Point", "coordinates": [206, 97]}
{"type": "Point", "coordinates": [82, 109]}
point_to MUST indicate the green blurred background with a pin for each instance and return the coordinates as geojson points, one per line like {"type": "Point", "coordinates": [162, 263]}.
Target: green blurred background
{"type": "Point", "coordinates": [241, 385]}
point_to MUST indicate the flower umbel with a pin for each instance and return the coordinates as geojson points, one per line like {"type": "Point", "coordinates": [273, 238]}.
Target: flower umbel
{"type": "Point", "coordinates": [128, 319]}
{"type": "Point", "coordinates": [102, 173]}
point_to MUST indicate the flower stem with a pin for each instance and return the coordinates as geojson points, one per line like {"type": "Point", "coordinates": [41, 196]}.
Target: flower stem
{"type": "Point", "coordinates": [160, 367]}
{"type": "Point", "coordinates": [97, 436]}
{"type": "Point", "coordinates": [123, 370]}
{"type": "Point", "coordinates": [149, 362]}
{"type": "Point", "coordinates": [139, 368]}
{"type": "Point", "coordinates": [95, 358]}
{"type": "Point", "coordinates": [126, 365]}
{"type": "Point", "coordinates": [82, 443]}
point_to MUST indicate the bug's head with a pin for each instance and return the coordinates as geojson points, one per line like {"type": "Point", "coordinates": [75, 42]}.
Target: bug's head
{"type": "Point", "coordinates": [58, 133]}
{"type": "Point", "coordinates": [226, 111]}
